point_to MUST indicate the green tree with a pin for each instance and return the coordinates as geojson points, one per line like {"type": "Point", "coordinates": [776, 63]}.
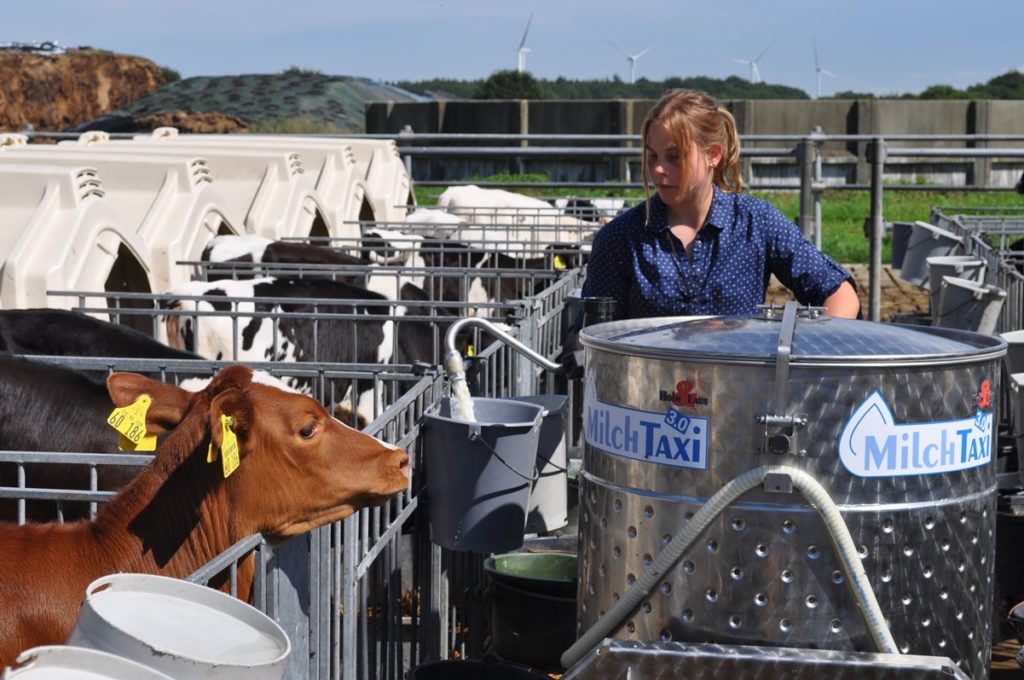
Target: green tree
{"type": "Point", "coordinates": [170, 75]}
{"type": "Point", "coordinates": [509, 84]}
{"type": "Point", "coordinates": [943, 92]}
{"type": "Point", "coordinates": [1010, 85]}
{"type": "Point", "coordinates": [850, 94]}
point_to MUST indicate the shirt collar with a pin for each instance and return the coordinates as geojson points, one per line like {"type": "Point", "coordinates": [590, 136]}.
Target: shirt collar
{"type": "Point", "coordinates": [720, 216]}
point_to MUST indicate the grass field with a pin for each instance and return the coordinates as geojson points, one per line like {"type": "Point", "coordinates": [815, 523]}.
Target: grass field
{"type": "Point", "coordinates": [842, 212]}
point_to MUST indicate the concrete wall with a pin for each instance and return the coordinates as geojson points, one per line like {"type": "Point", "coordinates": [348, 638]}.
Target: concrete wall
{"type": "Point", "coordinates": [848, 160]}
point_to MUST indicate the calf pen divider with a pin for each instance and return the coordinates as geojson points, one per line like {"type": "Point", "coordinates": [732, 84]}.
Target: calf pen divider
{"type": "Point", "coordinates": [370, 597]}
{"type": "Point", "coordinates": [308, 583]}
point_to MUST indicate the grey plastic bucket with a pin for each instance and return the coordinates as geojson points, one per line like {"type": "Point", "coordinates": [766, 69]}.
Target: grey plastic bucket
{"type": "Point", "coordinates": [968, 305]}
{"type": "Point", "coordinates": [549, 507]}
{"type": "Point", "coordinates": [479, 473]}
{"type": "Point", "coordinates": [960, 266]}
{"type": "Point", "coordinates": [63, 662]}
{"type": "Point", "coordinates": [179, 628]}
{"type": "Point", "coordinates": [1014, 350]}
{"type": "Point", "coordinates": [926, 240]}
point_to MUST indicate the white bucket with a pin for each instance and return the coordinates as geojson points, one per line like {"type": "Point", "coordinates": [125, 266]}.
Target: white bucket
{"type": "Point", "coordinates": [180, 628]}
{"type": "Point", "coordinates": [60, 662]}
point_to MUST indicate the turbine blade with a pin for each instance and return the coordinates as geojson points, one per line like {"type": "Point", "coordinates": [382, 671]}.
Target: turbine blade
{"type": "Point", "coordinates": [829, 73]}
{"type": "Point", "coordinates": [619, 48]}
{"type": "Point", "coordinates": [763, 51]}
{"type": "Point", "coordinates": [814, 44]}
{"type": "Point", "coordinates": [637, 56]}
{"type": "Point", "coordinates": [528, 22]}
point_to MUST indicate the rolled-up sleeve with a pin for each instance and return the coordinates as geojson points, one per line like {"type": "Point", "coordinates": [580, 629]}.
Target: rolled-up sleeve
{"type": "Point", "coordinates": [811, 274]}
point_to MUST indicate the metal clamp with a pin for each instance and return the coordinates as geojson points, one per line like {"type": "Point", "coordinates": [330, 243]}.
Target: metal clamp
{"type": "Point", "coordinates": [780, 434]}
{"type": "Point", "coordinates": [780, 430]}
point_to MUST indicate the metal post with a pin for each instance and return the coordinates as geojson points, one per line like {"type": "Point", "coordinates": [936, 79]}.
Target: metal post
{"type": "Point", "coordinates": [407, 133]}
{"type": "Point", "coordinates": [818, 184]}
{"type": "Point", "coordinates": [877, 153]}
{"type": "Point", "coordinates": [805, 156]}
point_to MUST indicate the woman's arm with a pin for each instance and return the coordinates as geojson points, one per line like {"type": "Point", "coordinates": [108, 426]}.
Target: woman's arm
{"type": "Point", "coordinates": [843, 302]}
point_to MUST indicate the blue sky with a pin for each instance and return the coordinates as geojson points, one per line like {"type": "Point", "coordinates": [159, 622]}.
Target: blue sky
{"type": "Point", "coordinates": [887, 47]}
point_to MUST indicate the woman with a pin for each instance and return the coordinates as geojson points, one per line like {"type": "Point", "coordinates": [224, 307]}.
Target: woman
{"type": "Point", "coordinates": [699, 246]}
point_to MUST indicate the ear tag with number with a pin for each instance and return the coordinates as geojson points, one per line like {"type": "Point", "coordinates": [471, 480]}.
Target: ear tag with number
{"type": "Point", "coordinates": [228, 446]}
{"type": "Point", "coordinates": [130, 422]}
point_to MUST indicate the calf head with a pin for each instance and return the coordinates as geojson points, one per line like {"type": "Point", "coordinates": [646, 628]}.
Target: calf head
{"type": "Point", "coordinates": [299, 468]}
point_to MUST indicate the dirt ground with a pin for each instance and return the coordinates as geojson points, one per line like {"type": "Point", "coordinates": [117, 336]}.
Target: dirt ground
{"type": "Point", "coordinates": [898, 296]}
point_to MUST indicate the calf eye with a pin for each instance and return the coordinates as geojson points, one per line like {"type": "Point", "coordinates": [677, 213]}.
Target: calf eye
{"type": "Point", "coordinates": [308, 431]}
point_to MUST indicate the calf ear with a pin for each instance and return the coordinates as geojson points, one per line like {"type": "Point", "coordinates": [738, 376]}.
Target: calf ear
{"type": "Point", "coordinates": [169, 402]}
{"type": "Point", "coordinates": [234, 404]}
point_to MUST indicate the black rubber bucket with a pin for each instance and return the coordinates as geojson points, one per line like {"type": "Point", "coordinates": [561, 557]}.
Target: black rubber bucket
{"type": "Point", "coordinates": [533, 606]}
{"type": "Point", "coordinates": [470, 669]}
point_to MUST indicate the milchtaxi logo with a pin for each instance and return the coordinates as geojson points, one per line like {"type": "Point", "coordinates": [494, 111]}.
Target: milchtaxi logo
{"type": "Point", "coordinates": [669, 438]}
{"type": "Point", "coordinates": [873, 444]}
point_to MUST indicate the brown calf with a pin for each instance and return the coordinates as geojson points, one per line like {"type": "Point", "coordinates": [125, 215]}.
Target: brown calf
{"type": "Point", "coordinates": [299, 469]}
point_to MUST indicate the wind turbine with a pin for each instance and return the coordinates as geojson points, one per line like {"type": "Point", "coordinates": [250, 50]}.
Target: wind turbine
{"type": "Point", "coordinates": [755, 75]}
{"type": "Point", "coordinates": [632, 59]}
{"type": "Point", "coordinates": [818, 70]}
{"type": "Point", "coordinates": [523, 49]}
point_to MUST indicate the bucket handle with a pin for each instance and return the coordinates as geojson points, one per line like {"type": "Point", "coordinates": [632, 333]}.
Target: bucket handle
{"type": "Point", "coordinates": [474, 436]}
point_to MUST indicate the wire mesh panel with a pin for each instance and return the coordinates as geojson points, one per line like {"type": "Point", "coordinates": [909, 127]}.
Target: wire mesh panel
{"type": "Point", "coordinates": [370, 597]}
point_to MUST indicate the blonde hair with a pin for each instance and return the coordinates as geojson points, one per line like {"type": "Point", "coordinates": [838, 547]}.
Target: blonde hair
{"type": "Point", "coordinates": [695, 120]}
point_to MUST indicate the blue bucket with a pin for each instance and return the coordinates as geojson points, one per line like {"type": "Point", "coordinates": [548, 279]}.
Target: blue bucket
{"type": "Point", "coordinates": [479, 474]}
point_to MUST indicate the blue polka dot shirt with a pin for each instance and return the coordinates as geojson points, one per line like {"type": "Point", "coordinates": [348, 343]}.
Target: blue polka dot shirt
{"type": "Point", "coordinates": [744, 240]}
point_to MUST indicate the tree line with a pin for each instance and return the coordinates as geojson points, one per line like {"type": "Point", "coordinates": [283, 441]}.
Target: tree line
{"type": "Point", "coordinates": [511, 84]}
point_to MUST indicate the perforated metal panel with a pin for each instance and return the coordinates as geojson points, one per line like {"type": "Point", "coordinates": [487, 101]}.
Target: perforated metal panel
{"type": "Point", "coordinates": [617, 659]}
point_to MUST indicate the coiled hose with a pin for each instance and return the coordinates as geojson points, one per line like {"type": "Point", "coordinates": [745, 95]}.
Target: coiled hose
{"type": "Point", "coordinates": [815, 494]}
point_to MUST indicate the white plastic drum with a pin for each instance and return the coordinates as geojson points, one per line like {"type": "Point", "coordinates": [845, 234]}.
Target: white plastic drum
{"type": "Point", "coordinates": [180, 628]}
{"type": "Point", "coordinates": [58, 662]}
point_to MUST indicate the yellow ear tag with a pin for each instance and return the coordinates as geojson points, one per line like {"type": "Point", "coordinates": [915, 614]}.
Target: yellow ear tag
{"type": "Point", "coordinates": [228, 446]}
{"type": "Point", "coordinates": [130, 422]}
{"type": "Point", "coordinates": [470, 351]}
{"type": "Point", "coordinates": [560, 262]}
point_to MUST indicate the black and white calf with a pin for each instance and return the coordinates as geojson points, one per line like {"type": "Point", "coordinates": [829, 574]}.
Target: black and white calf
{"type": "Point", "coordinates": [392, 252]}
{"type": "Point", "coordinates": [591, 209]}
{"type": "Point", "coordinates": [45, 407]}
{"type": "Point", "coordinates": [285, 320]}
{"type": "Point", "coordinates": [61, 332]}
{"type": "Point", "coordinates": [255, 249]}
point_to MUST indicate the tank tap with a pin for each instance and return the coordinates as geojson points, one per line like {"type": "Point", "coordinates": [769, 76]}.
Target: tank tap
{"type": "Point", "coordinates": [456, 328]}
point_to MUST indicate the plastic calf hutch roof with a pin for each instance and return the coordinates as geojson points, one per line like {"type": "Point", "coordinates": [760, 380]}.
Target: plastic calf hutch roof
{"type": "Point", "coordinates": [61, 233]}
{"type": "Point", "coordinates": [171, 202]}
{"type": "Point", "coordinates": [388, 181]}
{"type": "Point", "coordinates": [270, 188]}
{"type": "Point", "coordinates": [340, 180]}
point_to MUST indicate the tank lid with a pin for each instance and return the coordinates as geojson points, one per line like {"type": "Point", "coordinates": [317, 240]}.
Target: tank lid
{"type": "Point", "coordinates": [757, 338]}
